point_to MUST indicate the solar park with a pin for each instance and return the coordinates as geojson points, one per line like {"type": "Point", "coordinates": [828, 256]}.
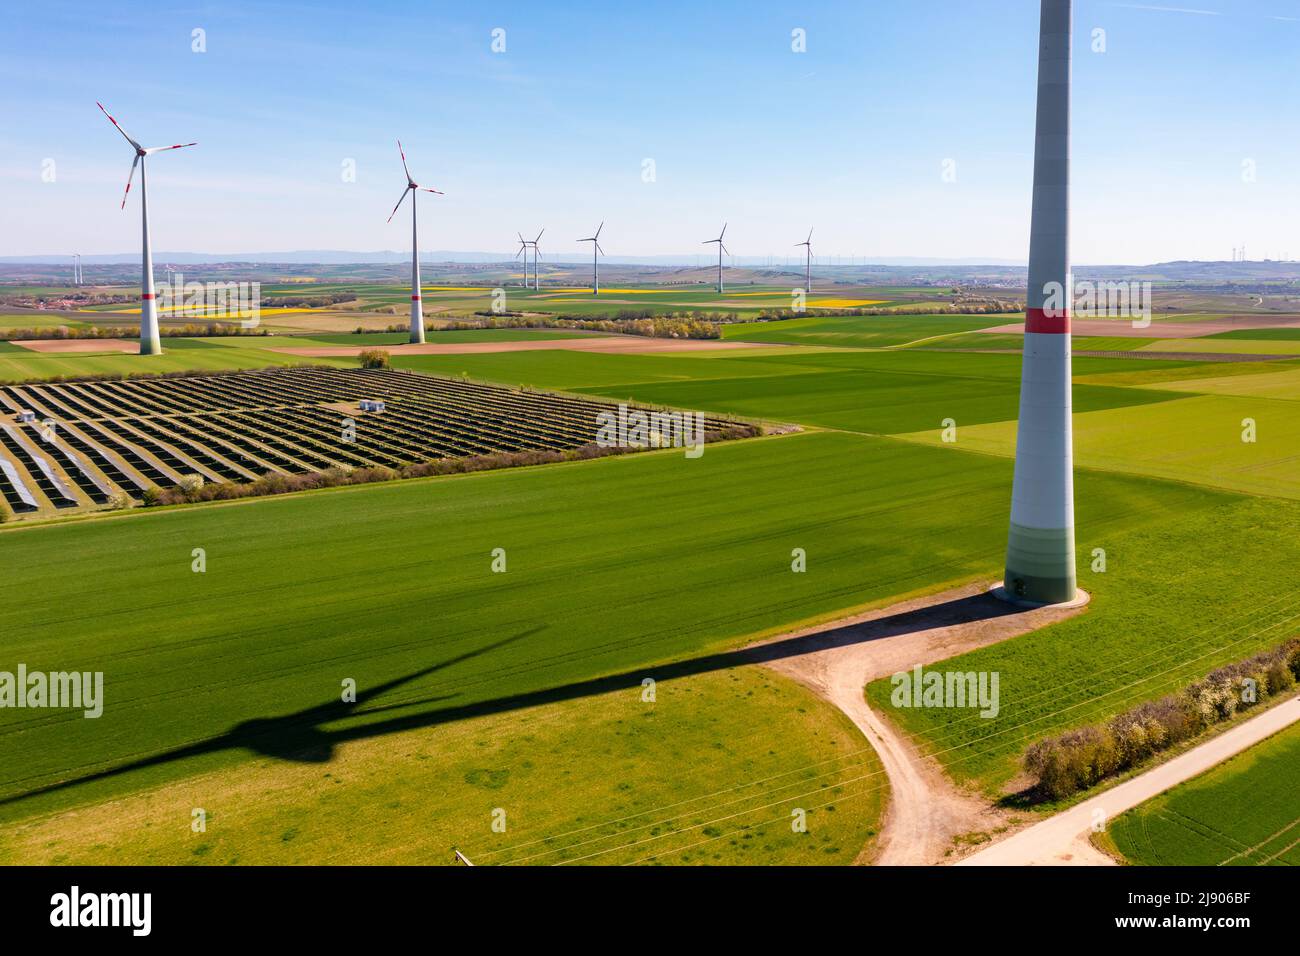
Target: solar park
{"type": "Point", "coordinates": [86, 443]}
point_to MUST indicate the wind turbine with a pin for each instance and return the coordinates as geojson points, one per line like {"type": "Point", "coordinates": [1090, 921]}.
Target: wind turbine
{"type": "Point", "coordinates": [150, 344]}
{"type": "Point", "coordinates": [537, 256]}
{"type": "Point", "coordinates": [721, 250]}
{"type": "Point", "coordinates": [417, 312]}
{"type": "Point", "coordinates": [595, 265]}
{"type": "Point", "coordinates": [1040, 564]}
{"type": "Point", "coordinates": [523, 250]}
{"type": "Point", "coordinates": [807, 268]}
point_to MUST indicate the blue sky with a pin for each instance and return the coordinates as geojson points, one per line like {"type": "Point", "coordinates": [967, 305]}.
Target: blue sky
{"type": "Point", "coordinates": [850, 136]}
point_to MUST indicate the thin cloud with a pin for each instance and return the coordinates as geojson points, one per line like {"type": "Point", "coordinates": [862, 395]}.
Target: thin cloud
{"type": "Point", "coordinates": [1190, 10]}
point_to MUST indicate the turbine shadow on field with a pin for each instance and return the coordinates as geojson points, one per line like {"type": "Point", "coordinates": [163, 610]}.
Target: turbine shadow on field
{"type": "Point", "coordinates": [301, 736]}
{"type": "Point", "coordinates": [298, 736]}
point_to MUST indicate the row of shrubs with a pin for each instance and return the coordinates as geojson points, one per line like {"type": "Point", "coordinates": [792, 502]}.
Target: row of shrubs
{"type": "Point", "coordinates": [190, 331]}
{"type": "Point", "coordinates": [192, 488]}
{"type": "Point", "coordinates": [679, 325]}
{"type": "Point", "coordinates": [991, 307]}
{"type": "Point", "coordinates": [1079, 759]}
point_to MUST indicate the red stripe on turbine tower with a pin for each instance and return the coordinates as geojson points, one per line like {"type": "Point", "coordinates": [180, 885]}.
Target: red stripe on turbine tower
{"type": "Point", "coordinates": [1047, 321]}
{"type": "Point", "coordinates": [1040, 547]}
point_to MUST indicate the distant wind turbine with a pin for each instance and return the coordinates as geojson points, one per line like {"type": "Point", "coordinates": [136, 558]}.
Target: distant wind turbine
{"type": "Point", "coordinates": [537, 258]}
{"type": "Point", "coordinates": [524, 246]}
{"type": "Point", "coordinates": [523, 251]}
{"type": "Point", "coordinates": [150, 344]}
{"type": "Point", "coordinates": [595, 263]}
{"type": "Point", "coordinates": [721, 250]}
{"type": "Point", "coordinates": [417, 312]}
{"type": "Point", "coordinates": [807, 268]}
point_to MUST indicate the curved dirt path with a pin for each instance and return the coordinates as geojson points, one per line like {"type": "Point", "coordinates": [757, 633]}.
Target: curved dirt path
{"type": "Point", "coordinates": [1063, 839]}
{"type": "Point", "coordinates": [925, 811]}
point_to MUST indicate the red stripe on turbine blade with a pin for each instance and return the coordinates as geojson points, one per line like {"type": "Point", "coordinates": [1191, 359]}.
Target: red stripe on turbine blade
{"type": "Point", "coordinates": [1047, 322]}
{"type": "Point", "coordinates": [415, 298]}
{"type": "Point", "coordinates": [147, 295]}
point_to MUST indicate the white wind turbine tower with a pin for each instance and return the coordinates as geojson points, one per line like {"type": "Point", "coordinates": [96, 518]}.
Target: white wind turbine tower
{"type": "Point", "coordinates": [537, 256]}
{"type": "Point", "coordinates": [595, 264]}
{"type": "Point", "coordinates": [807, 268]}
{"type": "Point", "coordinates": [417, 311]}
{"type": "Point", "coordinates": [524, 246]}
{"type": "Point", "coordinates": [150, 344]}
{"type": "Point", "coordinates": [1040, 564]}
{"type": "Point", "coordinates": [523, 251]}
{"type": "Point", "coordinates": [721, 250]}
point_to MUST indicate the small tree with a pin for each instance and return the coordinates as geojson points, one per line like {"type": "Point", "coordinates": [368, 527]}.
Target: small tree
{"type": "Point", "coordinates": [374, 358]}
{"type": "Point", "coordinates": [190, 486]}
{"type": "Point", "coordinates": [152, 496]}
{"type": "Point", "coordinates": [5, 513]}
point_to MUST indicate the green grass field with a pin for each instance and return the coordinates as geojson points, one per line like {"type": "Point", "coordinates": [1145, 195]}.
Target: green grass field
{"type": "Point", "coordinates": [1178, 598]}
{"type": "Point", "coordinates": [1237, 346]}
{"type": "Point", "coordinates": [179, 355]}
{"type": "Point", "coordinates": [1197, 439]}
{"type": "Point", "coordinates": [1242, 813]}
{"type": "Point", "coordinates": [868, 331]}
{"type": "Point", "coordinates": [1289, 334]}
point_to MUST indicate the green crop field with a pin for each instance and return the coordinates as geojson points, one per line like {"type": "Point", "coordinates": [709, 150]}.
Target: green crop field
{"type": "Point", "coordinates": [176, 357]}
{"type": "Point", "coordinates": [1179, 597]}
{"type": "Point", "coordinates": [1241, 813]}
{"type": "Point", "coordinates": [867, 331]}
{"type": "Point", "coordinates": [1289, 334]}
{"type": "Point", "coordinates": [1234, 346]}
{"type": "Point", "coordinates": [1201, 439]}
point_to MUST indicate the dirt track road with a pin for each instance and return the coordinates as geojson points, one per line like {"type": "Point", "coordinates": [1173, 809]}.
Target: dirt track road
{"type": "Point", "coordinates": [925, 810]}
{"type": "Point", "coordinates": [1062, 840]}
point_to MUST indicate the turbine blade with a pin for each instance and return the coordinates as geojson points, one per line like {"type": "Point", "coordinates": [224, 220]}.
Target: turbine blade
{"type": "Point", "coordinates": [134, 163]}
{"type": "Point", "coordinates": [428, 190]}
{"type": "Point", "coordinates": [724, 248]}
{"type": "Point", "coordinates": [399, 203]}
{"type": "Point", "coordinates": [723, 233]}
{"type": "Point", "coordinates": [162, 149]}
{"type": "Point", "coordinates": [600, 250]}
{"type": "Point", "coordinates": [539, 236]}
{"type": "Point", "coordinates": [598, 228]}
{"type": "Point", "coordinates": [402, 153]}
{"type": "Point", "coordinates": [117, 124]}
